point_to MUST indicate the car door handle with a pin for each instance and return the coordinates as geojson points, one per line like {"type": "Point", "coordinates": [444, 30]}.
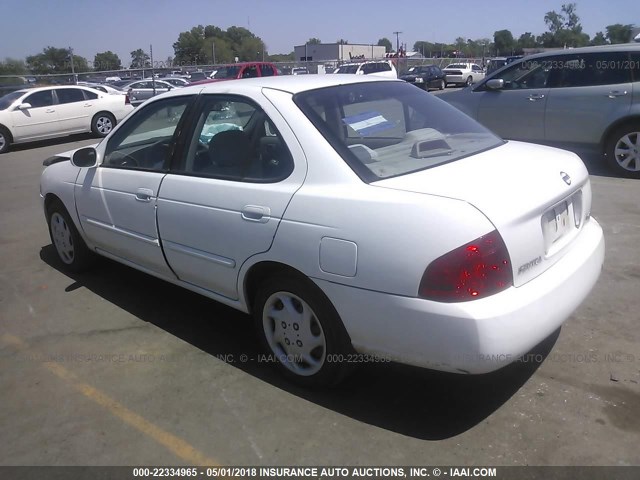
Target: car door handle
{"type": "Point", "coordinates": [50, 110]}
{"type": "Point", "coordinates": [256, 213]}
{"type": "Point", "coordinates": [616, 93]}
{"type": "Point", "coordinates": [88, 104]}
{"type": "Point", "coordinates": [536, 96]}
{"type": "Point", "coordinates": [144, 195]}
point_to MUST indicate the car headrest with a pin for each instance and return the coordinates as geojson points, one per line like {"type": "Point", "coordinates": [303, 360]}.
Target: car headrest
{"type": "Point", "coordinates": [229, 148]}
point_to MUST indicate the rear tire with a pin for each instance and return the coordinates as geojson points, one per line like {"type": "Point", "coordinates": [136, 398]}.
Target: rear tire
{"type": "Point", "coordinates": [301, 331]}
{"type": "Point", "coordinates": [5, 140]}
{"type": "Point", "coordinates": [469, 81]}
{"type": "Point", "coordinates": [70, 247]}
{"type": "Point", "coordinates": [103, 123]}
{"type": "Point", "coordinates": [443, 85]}
{"type": "Point", "coordinates": [622, 150]}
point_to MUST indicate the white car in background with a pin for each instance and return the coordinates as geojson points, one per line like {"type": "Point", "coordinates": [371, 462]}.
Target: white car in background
{"type": "Point", "coordinates": [463, 73]}
{"type": "Point", "coordinates": [351, 215]}
{"type": "Point", "coordinates": [47, 112]}
{"type": "Point", "coordinates": [382, 68]}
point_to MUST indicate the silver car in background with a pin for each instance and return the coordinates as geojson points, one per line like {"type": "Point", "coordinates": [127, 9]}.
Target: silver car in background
{"type": "Point", "coordinates": [142, 90]}
{"type": "Point", "coordinates": [579, 97]}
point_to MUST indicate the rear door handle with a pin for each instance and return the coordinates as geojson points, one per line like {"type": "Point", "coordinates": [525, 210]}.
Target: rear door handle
{"type": "Point", "coordinates": [617, 93]}
{"type": "Point", "coordinates": [144, 195]}
{"type": "Point", "coordinates": [88, 105]}
{"type": "Point", "coordinates": [536, 96]}
{"type": "Point", "coordinates": [50, 110]}
{"type": "Point", "coordinates": [256, 213]}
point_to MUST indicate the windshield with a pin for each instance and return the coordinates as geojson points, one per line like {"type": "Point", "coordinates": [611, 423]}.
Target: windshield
{"type": "Point", "coordinates": [9, 98]}
{"type": "Point", "coordinates": [347, 69]}
{"type": "Point", "coordinates": [227, 72]}
{"type": "Point", "coordinates": [386, 129]}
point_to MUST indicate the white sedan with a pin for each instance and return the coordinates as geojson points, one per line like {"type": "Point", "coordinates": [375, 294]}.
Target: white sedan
{"type": "Point", "coordinates": [463, 73]}
{"type": "Point", "coordinates": [48, 112]}
{"type": "Point", "coordinates": [350, 215]}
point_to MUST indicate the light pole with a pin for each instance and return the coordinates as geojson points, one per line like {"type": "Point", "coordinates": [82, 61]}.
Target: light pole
{"type": "Point", "coordinates": [397, 34]}
{"type": "Point", "coordinates": [73, 70]}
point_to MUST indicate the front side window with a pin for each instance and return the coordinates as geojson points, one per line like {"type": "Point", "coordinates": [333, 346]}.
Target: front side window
{"type": "Point", "coordinates": [40, 99]}
{"type": "Point", "coordinates": [266, 70]}
{"type": "Point", "coordinates": [227, 72]}
{"type": "Point", "coordinates": [234, 139]}
{"type": "Point", "coordinates": [145, 140]}
{"type": "Point", "coordinates": [69, 95]}
{"type": "Point", "coordinates": [386, 129]}
{"type": "Point", "coordinates": [250, 72]}
{"type": "Point", "coordinates": [529, 74]}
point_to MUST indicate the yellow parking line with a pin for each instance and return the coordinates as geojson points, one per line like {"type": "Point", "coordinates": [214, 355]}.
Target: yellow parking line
{"type": "Point", "coordinates": [172, 443]}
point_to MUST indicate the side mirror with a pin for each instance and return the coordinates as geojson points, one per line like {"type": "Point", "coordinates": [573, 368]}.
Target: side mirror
{"type": "Point", "coordinates": [85, 158]}
{"type": "Point", "coordinates": [24, 106]}
{"type": "Point", "coordinates": [495, 84]}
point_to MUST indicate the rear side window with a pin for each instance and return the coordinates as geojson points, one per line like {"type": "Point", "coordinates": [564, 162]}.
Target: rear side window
{"type": "Point", "coordinates": [590, 69]}
{"type": "Point", "coordinates": [69, 95]}
{"type": "Point", "coordinates": [250, 71]}
{"type": "Point", "coordinates": [266, 70]}
{"type": "Point", "coordinates": [90, 95]}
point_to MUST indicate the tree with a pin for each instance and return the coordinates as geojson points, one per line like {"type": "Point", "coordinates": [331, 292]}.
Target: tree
{"type": "Point", "coordinates": [342, 42]}
{"type": "Point", "coordinates": [619, 33]}
{"type": "Point", "coordinates": [526, 40]}
{"type": "Point", "coordinates": [504, 42]}
{"type": "Point", "coordinates": [598, 39]}
{"type": "Point", "coordinates": [189, 47]}
{"type": "Point", "coordinates": [139, 59]}
{"type": "Point", "coordinates": [565, 29]}
{"type": "Point", "coordinates": [55, 60]}
{"type": "Point", "coordinates": [314, 41]}
{"type": "Point", "coordinates": [106, 61]}
{"type": "Point", "coordinates": [386, 43]}
{"type": "Point", "coordinates": [12, 66]}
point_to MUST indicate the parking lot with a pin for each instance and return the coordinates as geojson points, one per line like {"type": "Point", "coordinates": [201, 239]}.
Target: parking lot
{"type": "Point", "coordinates": [114, 367]}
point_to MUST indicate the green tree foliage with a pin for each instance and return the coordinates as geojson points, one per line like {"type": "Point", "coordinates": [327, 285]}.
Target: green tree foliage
{"type": "Point", "coordinates": [106, 61]}
{"type": "Point", "coordinates": [526, 40]}
{"type": "Point", "coordinates": [565, 29]}
{"type": "Point", "coordinates": [598, 39]}
{"type": "Point", "coordinates": [504, 42]}
{"type": "Point", "coordinates": [139, 59]}
{"type": "Point", "coordinates": [11, 66]}
{"type": "Point", "coordinates": [198, 46]}
{"type": "Point", "coordinates": [618, 33]}
{"type": "Point", "coordinates": [314, 41]}
{"type": "Point", "coordinates": [342, 41]}
{"type": "Point", "coordinates": [55, 60]}
{"type": "Point", "coordinates": [386, 43]}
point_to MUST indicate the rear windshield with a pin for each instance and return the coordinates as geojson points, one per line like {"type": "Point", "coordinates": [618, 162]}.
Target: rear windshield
{"type": "Point", "coordinates": [386, 129]}
{"type": "Point", "coordinates": [347, 69]}
{"type": "Point", "coordinates": [457, 65]}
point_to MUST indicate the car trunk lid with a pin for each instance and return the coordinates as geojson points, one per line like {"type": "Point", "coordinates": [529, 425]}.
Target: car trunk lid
{"type": "Point", "coordinates": [537, 197]}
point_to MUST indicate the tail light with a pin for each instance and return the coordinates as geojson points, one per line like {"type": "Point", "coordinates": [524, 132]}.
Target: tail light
{"type": "Point", "coordinates": [472, 271]}
{"type": "Point", "coordinates": [127, 98]}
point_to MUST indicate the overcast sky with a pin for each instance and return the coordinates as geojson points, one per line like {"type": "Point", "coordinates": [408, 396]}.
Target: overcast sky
{"type": "Point", "coordinates": [90, 26]}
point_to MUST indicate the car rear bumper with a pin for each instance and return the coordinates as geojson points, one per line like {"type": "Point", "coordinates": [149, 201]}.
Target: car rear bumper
{"type": "Point", "coordinates": [471, 337]}
{"type": "Point", "coordinates": [456, 78]}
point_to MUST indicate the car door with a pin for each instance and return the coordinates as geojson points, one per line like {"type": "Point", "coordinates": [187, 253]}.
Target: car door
{"type": "Point", "coordinates": [588, 94]}
{"type": "Point", "coordinates": [225, 199]}
{"type": "Point", "coordinates": [517, 111]}
{"type": "Point", "coordinates": [116, 201]}
{"type": "Point", "coordinates": [38, 121]}
{"type": "Point", "coordinates": [74, 111]}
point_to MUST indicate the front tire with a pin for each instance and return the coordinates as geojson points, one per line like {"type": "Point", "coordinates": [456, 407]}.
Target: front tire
{"type": "Point", "coordinates": [102, 124]}
{"type": "Point", "coordinates": [300, 329]}
{"type": "Point", "coordinates": [622, 150]}
{"type": "Point", "coordinates": [5, 140]}
{"type": "Point", "coordinates": [70, 247]}
{"type": "Point", "coordinates": [443, 85]}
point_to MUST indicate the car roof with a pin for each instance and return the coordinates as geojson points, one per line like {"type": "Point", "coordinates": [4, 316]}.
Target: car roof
{"type": "Point", "coordinates": [620, 47]}
{"type": "Point", "coordinates": [51, 87]}
{"type": "Point", "coordinates": [287, 83]}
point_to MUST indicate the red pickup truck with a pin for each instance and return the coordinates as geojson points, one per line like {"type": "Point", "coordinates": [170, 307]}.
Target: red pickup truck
{"type": "Point", "coordinates": [242, 70]}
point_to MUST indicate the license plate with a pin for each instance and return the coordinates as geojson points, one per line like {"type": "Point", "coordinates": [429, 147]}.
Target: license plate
{"type": "Point", "coordinates": [556, 223]}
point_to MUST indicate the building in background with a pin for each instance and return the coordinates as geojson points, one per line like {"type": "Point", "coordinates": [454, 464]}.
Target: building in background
{"type": "Point", "coordinates": [337, 52]}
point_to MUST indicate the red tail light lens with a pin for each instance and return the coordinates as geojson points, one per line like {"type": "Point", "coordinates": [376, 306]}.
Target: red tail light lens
{"type": "Point", "coordinates": [127, 99]}
{"type": "Point", "coordinates": [472, 271]}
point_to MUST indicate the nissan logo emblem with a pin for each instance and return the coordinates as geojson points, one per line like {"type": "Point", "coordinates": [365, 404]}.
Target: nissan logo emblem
{"type": "Point", "coordinates": [565, 176]}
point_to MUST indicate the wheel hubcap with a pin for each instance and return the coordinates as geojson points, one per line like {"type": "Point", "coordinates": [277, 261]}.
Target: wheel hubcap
{"type": "Point", "coordinates": [62, 238]}
{"type": "Point", "coordinates": [2, 141]}
{"type": "Point", "coordinates": [627, 152]}
{"type": "Point", "coordinates": [104, 125]}
{"type": "Point", "coordinates": [294, 333]}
